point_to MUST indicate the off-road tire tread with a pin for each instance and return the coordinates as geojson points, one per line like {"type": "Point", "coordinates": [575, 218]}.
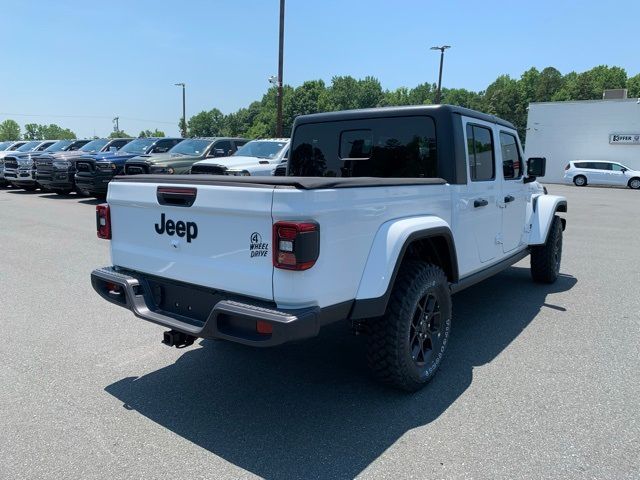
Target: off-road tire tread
{"type": "Point", "coordinates": [542, 261]}
{"type": "Point", "coordinates": [385, 340]}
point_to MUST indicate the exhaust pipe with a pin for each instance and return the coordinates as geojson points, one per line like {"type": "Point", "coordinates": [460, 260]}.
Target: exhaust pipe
{"type": "Point", "coordinates": [173, 338]}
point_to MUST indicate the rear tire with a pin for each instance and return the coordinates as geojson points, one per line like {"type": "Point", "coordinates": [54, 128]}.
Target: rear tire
{"type": "Point", "coordinates": [406, 345]}
{"type": "Point", "coordinates": [634, 183]}
{"type": "Point", "coordinates": [580, 181]}
{"type": "Point", "coordinates": [545, 259]}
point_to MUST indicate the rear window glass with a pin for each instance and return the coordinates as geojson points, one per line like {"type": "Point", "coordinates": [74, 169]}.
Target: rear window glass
{"type": "Point", "coordinates": [402, 147]}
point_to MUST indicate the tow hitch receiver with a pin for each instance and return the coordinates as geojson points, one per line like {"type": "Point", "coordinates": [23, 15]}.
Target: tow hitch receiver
{"type": "Point", "coordinates": [173, 338]}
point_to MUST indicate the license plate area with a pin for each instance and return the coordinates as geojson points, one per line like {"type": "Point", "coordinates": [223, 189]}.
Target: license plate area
{"type": "Point", "coordinates": [179, 300]}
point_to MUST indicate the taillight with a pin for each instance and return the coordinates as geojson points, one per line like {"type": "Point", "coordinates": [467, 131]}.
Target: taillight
{"type": "Point", "coordinates": [103, 221]}
{"type": "Point", "coordinates": [296, 245]}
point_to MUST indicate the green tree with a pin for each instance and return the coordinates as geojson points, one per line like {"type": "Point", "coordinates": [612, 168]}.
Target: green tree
{"type": "Point", "coordinates": [182, 127]}
{"type": "Point", "coordinates": [32, 131]}
{"type": "Point", "coordinates": [549, 83]}
{"type": "Point", "coordinates": [9, 130]}
{"type": "Point", "coordinates": [503, 98]}
{"type": "Point", "coordinates": [206, 124]}
{"type": "Point", "coordinates": [462, 98]}
{"type": "Point", "coordinates": [119, 134]}
{"type": "Point", "coordinates": [149, 133]}
{"type": "Point", "coordinates": [55, 132]}
{"type": "Point", "coordinates": [633, 86]}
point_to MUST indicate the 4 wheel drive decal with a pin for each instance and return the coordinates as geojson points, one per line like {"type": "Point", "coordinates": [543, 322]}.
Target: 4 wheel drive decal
{"type": "Point", "coordinates": [257, 247]}
{"type": "Point", "coordinates": [179, 228]}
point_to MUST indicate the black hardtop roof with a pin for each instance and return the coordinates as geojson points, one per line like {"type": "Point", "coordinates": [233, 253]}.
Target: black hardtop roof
{"type": "Point", "coordinates": [432, 110]}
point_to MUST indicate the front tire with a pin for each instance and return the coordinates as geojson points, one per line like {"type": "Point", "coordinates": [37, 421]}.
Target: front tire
{"type": "Point", "coordinates": [634, 183]}
{"type": "Point", "coordinates": [63, 192]}
{"type": "Point", "coordinates": [406, 345]}
{"type": "Point", "coordinates": [580, 181]}
{"type": "Point", "coordinates": [545, 259]}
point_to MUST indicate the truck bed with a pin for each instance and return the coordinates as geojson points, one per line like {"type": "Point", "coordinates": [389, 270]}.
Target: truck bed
{"type": "Point", "coordinates": [301, 183]}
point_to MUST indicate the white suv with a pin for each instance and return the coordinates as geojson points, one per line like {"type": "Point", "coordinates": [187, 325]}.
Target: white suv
{"type": "Point", "coordinates": [583, 173]}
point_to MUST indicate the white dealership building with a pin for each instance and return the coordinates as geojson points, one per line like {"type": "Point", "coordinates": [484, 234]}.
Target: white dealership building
{"type": "Point", "coordinates": [584, 130]}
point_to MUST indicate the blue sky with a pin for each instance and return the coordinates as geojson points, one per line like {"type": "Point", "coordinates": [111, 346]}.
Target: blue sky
{"type": "Point", "coordinates": [80, 63]}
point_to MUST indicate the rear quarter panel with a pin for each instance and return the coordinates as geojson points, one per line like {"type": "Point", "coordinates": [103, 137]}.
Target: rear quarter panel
{"type": "Point", "coordinates": [349, 220]}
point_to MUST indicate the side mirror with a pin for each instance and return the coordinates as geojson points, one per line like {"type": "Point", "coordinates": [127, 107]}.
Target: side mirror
{"type": "Point", "coordinates": [536, 166]}
{"type": "Point", "coordinates": [623, 169]}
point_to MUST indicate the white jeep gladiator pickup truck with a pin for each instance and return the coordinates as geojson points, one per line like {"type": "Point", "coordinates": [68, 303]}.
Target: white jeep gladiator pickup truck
{"type": "Point", "coordinates": [382, 216]}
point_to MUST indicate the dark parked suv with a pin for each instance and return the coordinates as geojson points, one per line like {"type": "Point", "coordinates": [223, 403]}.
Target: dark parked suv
{"type": "Point", "coordinates": [57, 171]}
{"type": "Point", "coordinates": [94, 172]}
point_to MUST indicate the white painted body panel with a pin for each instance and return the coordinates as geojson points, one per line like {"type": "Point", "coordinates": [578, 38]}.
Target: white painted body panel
{"type": "Point", "coordinates": [218, 258]}
{"type": "Point", "coordinates": [540, 220]}
{"type": "Point", "coordinates": [387, 247]}
{"type": "Point", "coordinates": [349, 220]}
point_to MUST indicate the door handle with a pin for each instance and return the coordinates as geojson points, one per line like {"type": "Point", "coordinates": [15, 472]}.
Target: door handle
{"type": "Point", "coordinates": [509, 198]}
{"type": "Point", "coordinates": [480, 202]}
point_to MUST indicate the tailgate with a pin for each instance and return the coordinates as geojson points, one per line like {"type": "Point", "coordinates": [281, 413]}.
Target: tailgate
{"type": "Point", "coordinates": [221, 241]}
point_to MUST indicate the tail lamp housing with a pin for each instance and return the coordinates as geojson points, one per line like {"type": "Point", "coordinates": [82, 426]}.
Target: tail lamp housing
{"type": "Point", "coordinates": [103, 221]}
{"type": "Point", "coordinates": [296, 245]}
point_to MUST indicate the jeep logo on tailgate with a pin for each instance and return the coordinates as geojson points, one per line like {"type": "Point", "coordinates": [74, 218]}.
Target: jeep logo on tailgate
{"type": "Point", "coordinates": [179, 228]}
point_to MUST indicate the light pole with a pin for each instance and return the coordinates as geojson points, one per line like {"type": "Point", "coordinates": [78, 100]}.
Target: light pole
{"type": "Point", "coordinates": [184, 111]}
{"type": "Point", "coordinates": [116, 124]}
{"type": "Point", "coordinates": [442, 49]}
{"type": "Point", "coordinates": [280, 62]}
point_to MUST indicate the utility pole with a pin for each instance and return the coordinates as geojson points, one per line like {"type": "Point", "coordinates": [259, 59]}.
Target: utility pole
{"type": "Point", "coordinates": [116, 125]}
{"type": "Point", "coordinates": [280, 63]}
{"type": "Point", "coordinates": [439, 91]}
{"type": "Point", "coordinates": [184, 111]}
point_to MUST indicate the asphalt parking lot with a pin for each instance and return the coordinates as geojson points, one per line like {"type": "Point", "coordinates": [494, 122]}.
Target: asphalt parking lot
{"type": "Point", "coordinates": [538, 382]}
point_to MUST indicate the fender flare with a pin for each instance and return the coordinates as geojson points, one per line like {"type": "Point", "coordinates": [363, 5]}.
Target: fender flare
{"type": "Point", "coordinates": [544, 209]}
{"type": "Point", "coordinates": [386, 255]}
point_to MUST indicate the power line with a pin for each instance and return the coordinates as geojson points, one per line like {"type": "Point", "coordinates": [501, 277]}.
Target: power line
{"type": "Point", "coordinates": [104, 117]}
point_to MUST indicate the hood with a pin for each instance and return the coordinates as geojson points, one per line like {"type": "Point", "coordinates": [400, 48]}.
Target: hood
{"type": "Point", "coordinates": [65, 155]}
{"type": "Point", "coordinates": [236, 161]}
{"type": "Point", "coordinates": [108, 156]}
{"type": "Point", "coordinates": [167, 157]}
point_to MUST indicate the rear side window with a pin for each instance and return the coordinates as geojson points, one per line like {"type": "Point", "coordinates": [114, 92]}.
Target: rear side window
{"type": "Point", "coordinates": [603, 166]}
{"type": "Point", "coordinates": [401, 147]}
{"type": "Point", "coordinates": [511, 161]}
{"type": "Point", "coordinates": [582, 165]}
{"type": "Point", "coordinates": [480, 151]}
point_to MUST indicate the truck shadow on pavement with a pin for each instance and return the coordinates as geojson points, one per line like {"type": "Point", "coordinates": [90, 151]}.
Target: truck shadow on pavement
{"type": "Point", "coordinates": [311, 410]}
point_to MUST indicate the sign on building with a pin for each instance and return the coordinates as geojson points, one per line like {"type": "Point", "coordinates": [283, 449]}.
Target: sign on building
{"type": "Point", "coordinates": [624, 139]}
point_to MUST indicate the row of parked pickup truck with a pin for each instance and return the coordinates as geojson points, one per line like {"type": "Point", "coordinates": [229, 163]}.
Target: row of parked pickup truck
{"type": "Point", "coordinates": [87, 166]}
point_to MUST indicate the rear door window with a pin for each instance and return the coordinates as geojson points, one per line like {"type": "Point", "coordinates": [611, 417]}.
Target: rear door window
{"type": "Point", "coordinates": [480, 153]}
{"type": "Point", "coordinates": [401, 147]}
{"type": "Point", "coordinates": [511, 160]}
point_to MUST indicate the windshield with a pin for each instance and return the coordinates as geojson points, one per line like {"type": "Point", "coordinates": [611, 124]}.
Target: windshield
{"type": "Point", "coordinates": [191, 147]}
{"type": "Point", "coordinates": [138, 146]}
{"type": "Point", "coordinates": [58, 146]}
{"type": "Point", "coordinates": [261, 149]}
{"type": "Point", "coordinates": [29, 146]}
{"type": "Point", "coordinates": [94, 145]}
{"type": "Point", "coordinates": [17, 145]}
{"type": "Point", "coordinates": [5, 145]}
